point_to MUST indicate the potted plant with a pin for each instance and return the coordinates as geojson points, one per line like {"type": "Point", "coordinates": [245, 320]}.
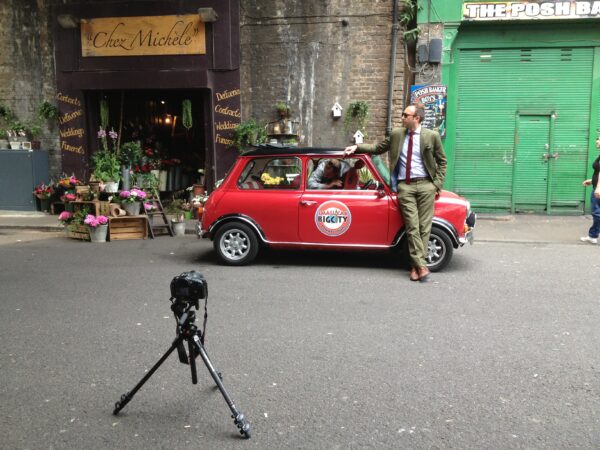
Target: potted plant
{"type": "Point", "coordinates": [107, 169]}
{"type": "Point", "coordinates": [248, 133]}
{"type": "Point", "coordinates": [43, 192]}
{"type": "Point", "coordinates": [131, 201]}
{"type": "Point", "coordinates": [34, 130]}
{"type": "Point", "coordinates": [97, 227]}
{"type": "Point", "coordinates": [181, 210]}
{"type": "Point", "coordinates": [130, 154]}
{"type": "Point", "coordinates": [283, 109]}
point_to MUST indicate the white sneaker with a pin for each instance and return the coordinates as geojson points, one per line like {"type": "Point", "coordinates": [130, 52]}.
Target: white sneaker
{"type": "Point", "coordinates": [591, 240]}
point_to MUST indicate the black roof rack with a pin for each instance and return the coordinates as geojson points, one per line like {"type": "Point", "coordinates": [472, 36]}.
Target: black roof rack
{"type": "Point", "coordinates": [279, 149]}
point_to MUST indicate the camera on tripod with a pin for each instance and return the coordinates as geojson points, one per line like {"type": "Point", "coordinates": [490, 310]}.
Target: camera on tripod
{"type": "Point", "coordinates": [187, 290]}
{"type": "Point", "coordinates": [189, 287]}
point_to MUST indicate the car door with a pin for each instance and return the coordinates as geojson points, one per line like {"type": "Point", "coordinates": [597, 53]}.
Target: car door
{"type": "Point", "coordinates": [345, 217]}
{"type": "Point", "coordinates": [267, 192]}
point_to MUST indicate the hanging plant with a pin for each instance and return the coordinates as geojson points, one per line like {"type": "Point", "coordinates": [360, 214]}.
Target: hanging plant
{"type": "Point", "coordinates": [47, 111]}
{"type": "Point", "coordinates": [186, 114]}
{"type": "Point", "coordinates": [408, 19]}
{"type": "Point", "coordinates": [103, 113]}
{"type": "Point", "coordinates": [356, 112]}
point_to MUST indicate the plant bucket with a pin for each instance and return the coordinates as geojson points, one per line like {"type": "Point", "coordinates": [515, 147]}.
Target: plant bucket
{"type": "Point", "coordinates": [98, 234]}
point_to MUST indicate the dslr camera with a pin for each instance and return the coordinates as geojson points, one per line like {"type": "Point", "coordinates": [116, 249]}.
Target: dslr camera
{"type": "Point", "coordinates": [189, 287]}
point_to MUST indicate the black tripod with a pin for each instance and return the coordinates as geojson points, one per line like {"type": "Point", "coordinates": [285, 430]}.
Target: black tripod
{"type": "Point", "coordinates": [187, 331]}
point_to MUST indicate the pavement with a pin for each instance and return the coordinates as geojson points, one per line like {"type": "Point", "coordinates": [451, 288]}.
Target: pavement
{"type": "Point", "coordinates": [40, 221]}
{"type": "Point", "coordinates": [489, 228]}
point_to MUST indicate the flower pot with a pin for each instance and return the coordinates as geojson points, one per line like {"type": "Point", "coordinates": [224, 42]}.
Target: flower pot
{"type": "Point", "coordinates": [111, 186]}
{"type": "Point", "coordinates": [125, 178]}
{"type": "Point", "coordinates": [15, 145]}
{"type": "Point", "coordinates": [4, 144]}
{"type": "Point", "coordinates": [132, 209]}
{"type": "Point", "coordinates": [162, 180]}
{"type": "Point", "coordinates": [178, 228]}
{"type": "Point", "coordinates": [98, 233]}
{"type": "Point", "coordinates": [44, 204]}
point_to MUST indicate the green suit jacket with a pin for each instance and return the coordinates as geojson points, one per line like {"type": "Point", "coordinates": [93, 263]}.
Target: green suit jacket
{"type": "Point", "coordinates": [432, 152]}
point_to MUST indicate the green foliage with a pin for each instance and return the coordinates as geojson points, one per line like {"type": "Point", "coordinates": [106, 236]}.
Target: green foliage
{"type": "Point", "coordinates": [146, 181]}
{"type": "Point", "coordinates": [3, 134]}
{"type": "Point", "coordinates": [106, 166]}
{"type": "Point", "coordinates": [248, 133]}
{"type": "Point", "coordinates": [356, 113]}
{"type": "Point", "coordinates": [186, 114]}
{"type": "Point", "coordinates": [283, 109]}
{"type": "Point", "coordinates": [408, 19]}
{"type": "Point", "coordinates": [6, 113]}
{"type": "Point", "coordinates": [47, 111]}
{"type": "Point", "coordinates": [130, 153]}
{"type": "Point", "coordinates": [33, 129]}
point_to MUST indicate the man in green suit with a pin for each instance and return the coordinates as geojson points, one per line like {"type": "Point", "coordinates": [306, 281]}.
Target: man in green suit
{"type": "Point", "coordinates": [417, 171]}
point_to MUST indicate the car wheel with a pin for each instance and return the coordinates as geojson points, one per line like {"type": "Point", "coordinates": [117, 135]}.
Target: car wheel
{"type": "Point", "coordinates": [439, 250]}
{"type": "Point", "coordinates": [236, 244]}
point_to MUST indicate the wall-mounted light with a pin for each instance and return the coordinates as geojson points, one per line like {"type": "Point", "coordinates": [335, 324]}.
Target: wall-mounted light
{"type": "Point", "coordinates": [168, 119]}
{"type": "Point", "coordinates": [208, 15]}
{"type": "Point", "coordinates": [68, 21]}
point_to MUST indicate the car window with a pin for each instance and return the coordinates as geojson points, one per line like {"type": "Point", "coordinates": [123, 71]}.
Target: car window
{"type": "Point", "coordinates": [271, 173]}
{"type": "Point", "coordinates": [354, 174]}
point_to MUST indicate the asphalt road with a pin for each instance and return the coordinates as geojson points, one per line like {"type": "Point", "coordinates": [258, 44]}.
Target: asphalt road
{"type": "Point", "coordinates": [319, 350]}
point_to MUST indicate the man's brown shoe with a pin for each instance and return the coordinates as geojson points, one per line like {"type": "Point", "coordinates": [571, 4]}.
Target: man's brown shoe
{"type": "Point", "coordinates": [414, 275]}
{"type": "Point", "coordinates": [423, 273]}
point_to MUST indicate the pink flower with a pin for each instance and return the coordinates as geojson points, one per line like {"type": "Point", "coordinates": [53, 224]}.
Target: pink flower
{"type": "Point", "coordinates": [113, 134]}
{"type": "Point", "coordinates": [94, 221]}
{"type": "Point", "coordinates": [65, 217]}
{"type": "Point", "coordinates": [101, 133]}
{"type": "Point", "coordinates": [124, 194]}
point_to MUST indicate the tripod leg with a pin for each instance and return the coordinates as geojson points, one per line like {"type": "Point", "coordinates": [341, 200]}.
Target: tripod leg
{"type": "Point", "coordinates": [238, 417]}
{"type": "Point", "coordinates": [192, 359]}
{"type": "Point", "coordinates": [125, 398]}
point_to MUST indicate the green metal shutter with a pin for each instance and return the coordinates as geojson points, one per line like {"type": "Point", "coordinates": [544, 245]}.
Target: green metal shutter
{"type": "Point", "coordinates": [495, 87]}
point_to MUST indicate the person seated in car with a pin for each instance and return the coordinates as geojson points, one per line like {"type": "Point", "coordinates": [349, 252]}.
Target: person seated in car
{"type": "Point", "coordinates": [329, 174]}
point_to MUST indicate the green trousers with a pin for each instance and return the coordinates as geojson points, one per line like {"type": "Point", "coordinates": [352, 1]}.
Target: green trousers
{"type": "Point", "coordinates": [416, 203]}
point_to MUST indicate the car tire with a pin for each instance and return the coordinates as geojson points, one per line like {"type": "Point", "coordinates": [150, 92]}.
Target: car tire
{"type": "Point", "coordinates": [236, 244]}
{"type": "Point", "coordinates": [439, 251]}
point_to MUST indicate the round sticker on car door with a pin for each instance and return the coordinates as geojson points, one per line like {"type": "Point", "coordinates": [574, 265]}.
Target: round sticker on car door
{"type": "Point", "coordinates": [333, 218]}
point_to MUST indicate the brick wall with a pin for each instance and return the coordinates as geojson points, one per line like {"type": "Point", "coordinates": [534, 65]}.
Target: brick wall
{"type": "Point", "coordinates": [313, 54]}
{"type": "Point", "coordinates": [27, 67]}
{"type": "Point", "coordinates": [310, 54]}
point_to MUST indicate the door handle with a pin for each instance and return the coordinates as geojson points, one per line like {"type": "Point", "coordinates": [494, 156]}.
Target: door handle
{"type": "Point", "coordinates": [308, 202]}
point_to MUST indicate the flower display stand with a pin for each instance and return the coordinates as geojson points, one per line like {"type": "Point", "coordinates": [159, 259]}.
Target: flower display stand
{"type": "Point", "coordinates": [127, 227]}
{"type": "Point", "coordinates": [78, 232]}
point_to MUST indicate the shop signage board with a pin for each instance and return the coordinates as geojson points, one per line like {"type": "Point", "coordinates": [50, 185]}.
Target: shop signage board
{"type": "Point", "coordinates": [433, 96]}
{"type": "Point", "coordinates": [531, 10]}
{"type": "Point", "coordinates": [143, 36]}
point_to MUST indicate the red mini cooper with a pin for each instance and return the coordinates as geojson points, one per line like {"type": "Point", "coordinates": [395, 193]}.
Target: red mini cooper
{"type": "Point", "coordinates": [266, 200]}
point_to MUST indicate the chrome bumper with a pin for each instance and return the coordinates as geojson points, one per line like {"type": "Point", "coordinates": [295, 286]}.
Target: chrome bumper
{"type": "Point", "coordinates": [200, 233]}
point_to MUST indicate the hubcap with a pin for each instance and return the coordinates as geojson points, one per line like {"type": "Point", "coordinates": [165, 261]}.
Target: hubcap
{"type": "Point", "coordinates": [235, 244]}
{"type": "Point", "coordinates": [435, 251]}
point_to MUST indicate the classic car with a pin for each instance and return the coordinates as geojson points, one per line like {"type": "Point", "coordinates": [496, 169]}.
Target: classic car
{"type": "Point", "coordinates": [265, 200]}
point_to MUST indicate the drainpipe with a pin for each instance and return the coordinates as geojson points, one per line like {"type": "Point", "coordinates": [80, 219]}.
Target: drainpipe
{"type": "Point", "coordinates": [395, 28]}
